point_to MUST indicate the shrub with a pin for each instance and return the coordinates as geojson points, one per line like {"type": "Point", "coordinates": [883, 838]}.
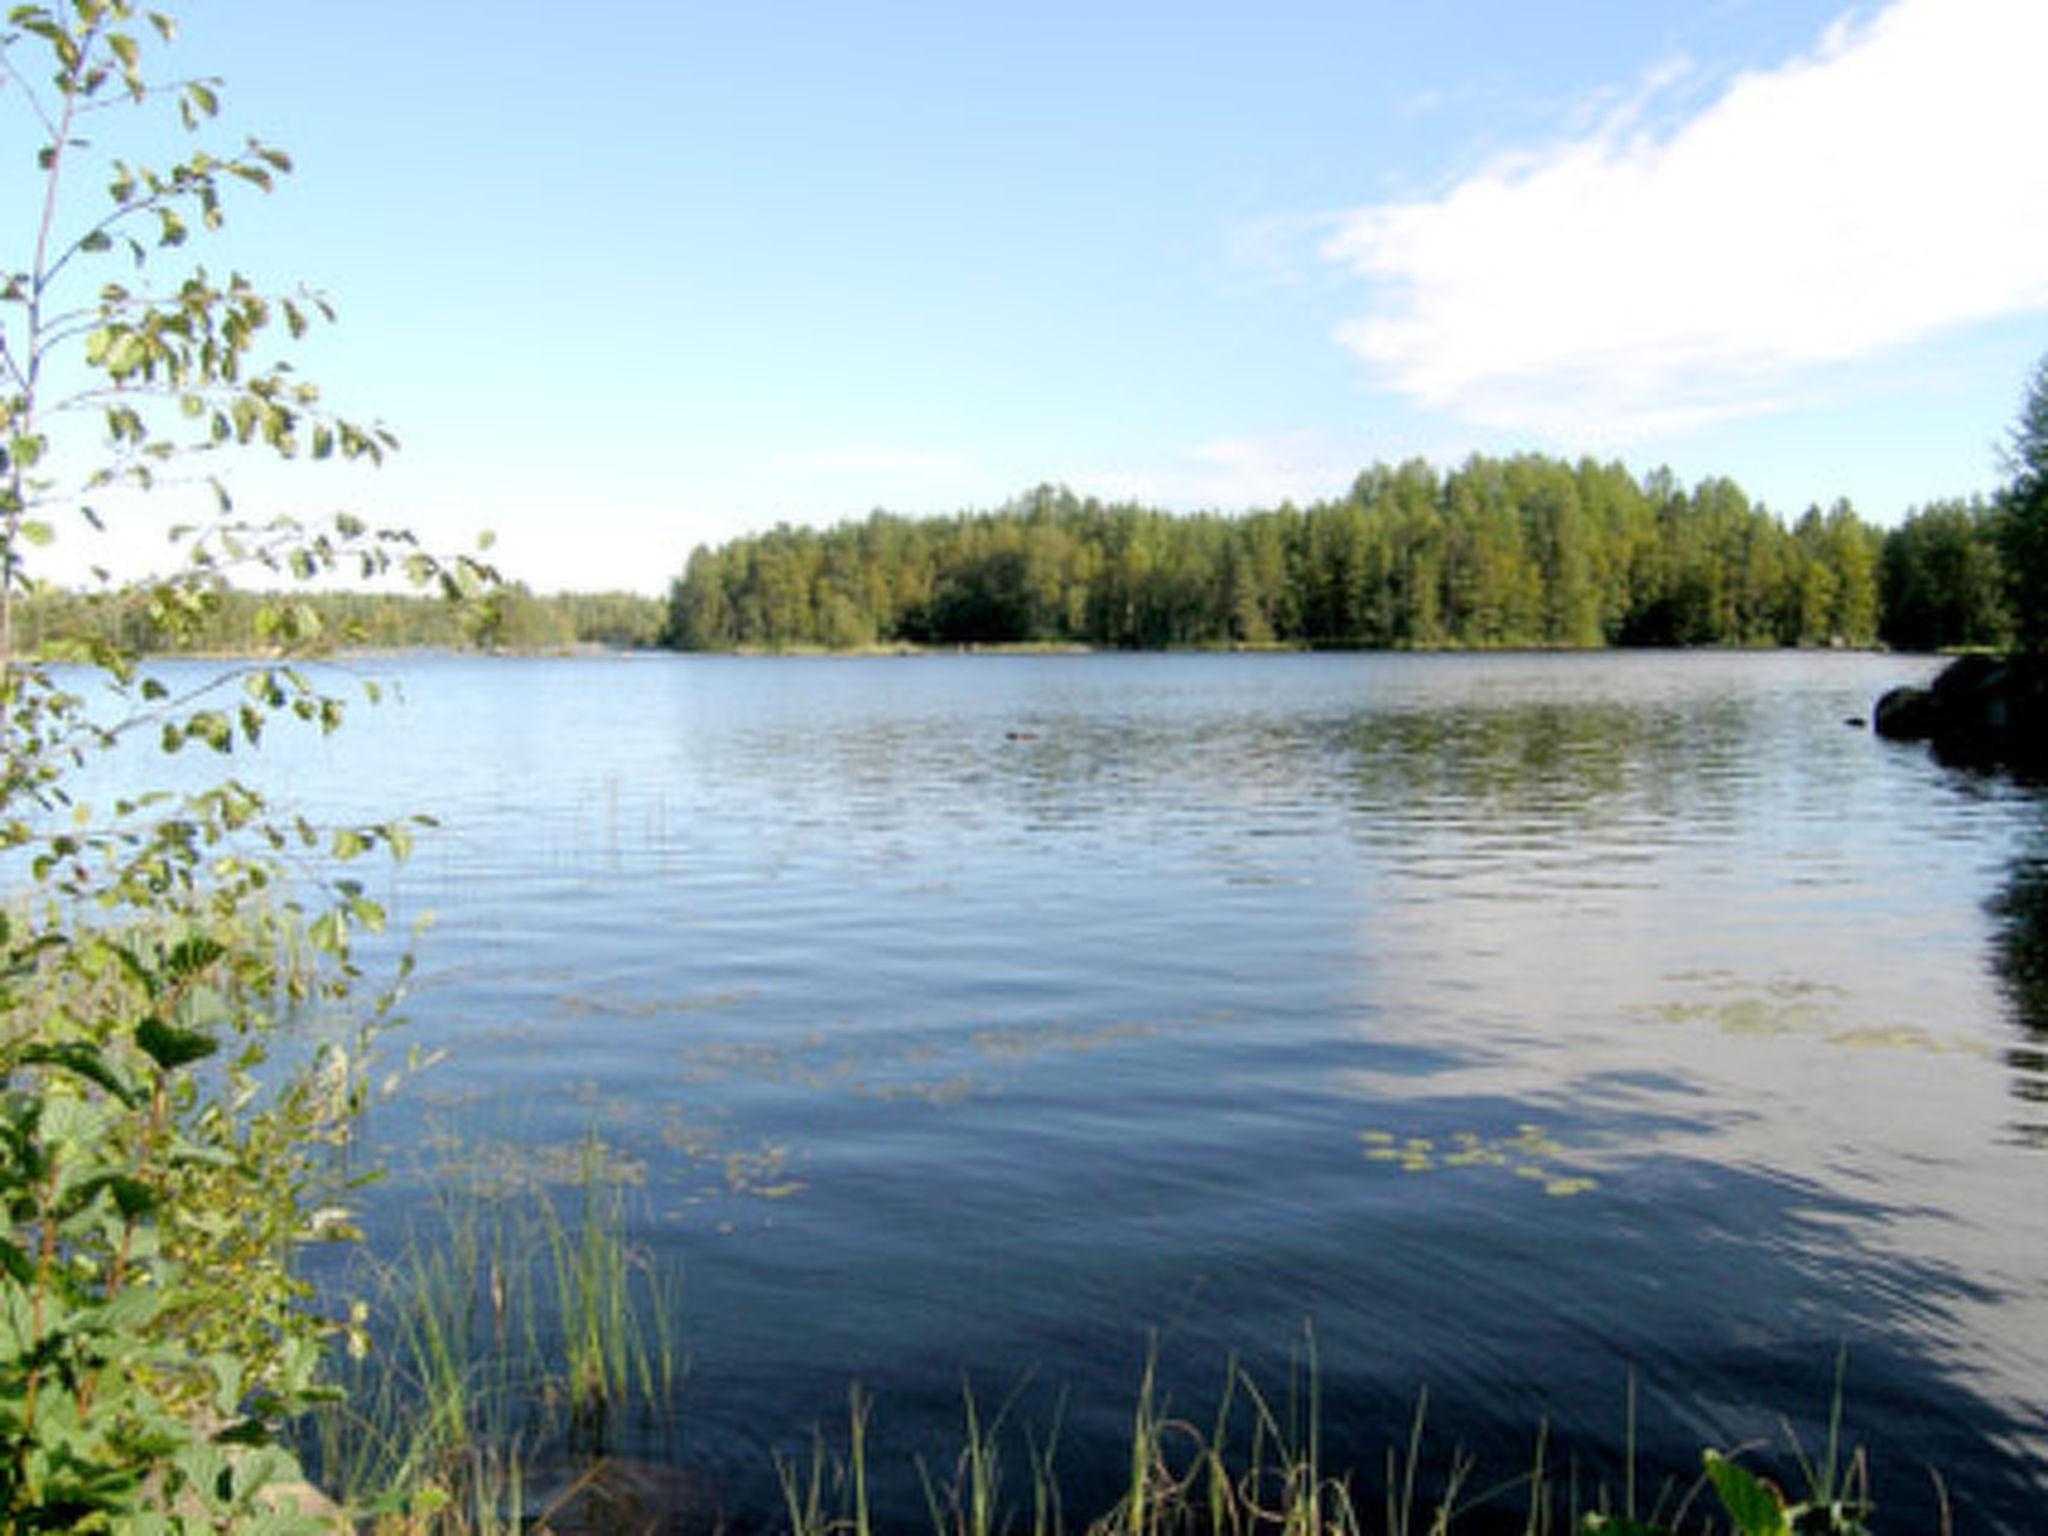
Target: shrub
{"type": "Point", "coordinates": [161, 1157]}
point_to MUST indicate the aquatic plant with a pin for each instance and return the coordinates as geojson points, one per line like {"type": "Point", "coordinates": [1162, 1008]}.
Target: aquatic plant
{"type": "Point", "coordinates": [510, 1341]}
{"type": "Point", "coordinates": [1528, 1154]}
{"type": "Point", "coordinates": [1258, 1468]}
{"type": "Point", "coordinates": [616, 1334]}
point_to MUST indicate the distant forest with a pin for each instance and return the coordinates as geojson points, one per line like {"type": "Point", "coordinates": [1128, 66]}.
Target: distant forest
{"type": "Point", "coordinates": [510, 618]}
{"type": "Point", "coordinates": [1515, 552]}
{"type": "Point", "coordinates": [1526, 551]}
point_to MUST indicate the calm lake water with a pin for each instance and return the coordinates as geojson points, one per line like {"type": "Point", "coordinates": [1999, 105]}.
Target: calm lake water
{"type": "Point", "coordinates": [1012, 1018]}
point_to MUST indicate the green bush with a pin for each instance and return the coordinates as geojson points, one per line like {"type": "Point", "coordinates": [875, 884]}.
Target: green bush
{"type": "Point", "coordinates": [166, 1143]}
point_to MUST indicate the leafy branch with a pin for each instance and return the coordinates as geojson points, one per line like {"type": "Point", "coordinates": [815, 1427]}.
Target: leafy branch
{"type": "Point", "coordinates": [159, 1169]}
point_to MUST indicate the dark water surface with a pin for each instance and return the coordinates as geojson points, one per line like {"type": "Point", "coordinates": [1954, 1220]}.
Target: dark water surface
{"type": "Point", "coordinates": [1018, 1016]}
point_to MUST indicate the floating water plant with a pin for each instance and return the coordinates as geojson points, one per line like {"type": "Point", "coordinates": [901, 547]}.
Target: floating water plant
{"type": "Point", "coordinates": [1746, 1008]}
{"type": "Point", "coordinates": [1527, 1154]}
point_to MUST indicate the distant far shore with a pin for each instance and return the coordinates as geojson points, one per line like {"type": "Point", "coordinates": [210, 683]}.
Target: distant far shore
{"type": "Point", "coordinates": [910, 650]}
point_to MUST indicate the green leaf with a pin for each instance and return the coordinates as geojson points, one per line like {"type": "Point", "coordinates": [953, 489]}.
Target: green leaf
{"type": "Point", "coordinates": [15, 1262]}
{"type": "Point", "coordinates": [1755, 1507]}
{"type": "Point", "coordinates": [190, 956]}
{"type": "Point", "coordinates": [84, 1061]}
{"type": "Point", "coordinates": [128, 1313]}
{"type": "Point", "coordinates": [328, 933]}
{"type": "Point", "coordinates": [133, 1198]}
{"type": "Point", "coordinates": [125, 353]}
{"type": "Point", "coordinates": [170, 1047]}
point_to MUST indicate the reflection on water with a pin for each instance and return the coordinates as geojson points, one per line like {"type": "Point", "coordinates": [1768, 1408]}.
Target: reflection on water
{"type": "Point", "coordinates": [1519, 1021]}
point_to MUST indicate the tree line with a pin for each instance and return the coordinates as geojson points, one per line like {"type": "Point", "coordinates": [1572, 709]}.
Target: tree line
{"type": "Point", "coordinates": [1500, 552]}
{"type": "Point", "coordinates": [176, 618]}
{"type": "Point", "coordinates": [1525, 551]}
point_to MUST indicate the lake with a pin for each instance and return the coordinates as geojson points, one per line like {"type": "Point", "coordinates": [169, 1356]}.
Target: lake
{"type": "Point", "coordinates": [1519, 1024]}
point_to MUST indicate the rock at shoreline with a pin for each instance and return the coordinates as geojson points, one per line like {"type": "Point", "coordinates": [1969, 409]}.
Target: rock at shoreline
{"type": "Point", "coordinates": [618, 1496]}
{"type": "Point", "coordinates": [1981, 712]}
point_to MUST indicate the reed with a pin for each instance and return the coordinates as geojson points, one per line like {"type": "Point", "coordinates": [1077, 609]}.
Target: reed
{"type": "Point", "coordinates": [615, 1320]}
{"type": "Point", "coordinates": [510, 1337]}
{"type": "Point", "coordinates": [829, 1496]}
{"type": "Point", "coordinates": [1259, 1470]}
{"type": "Point", "coordinates": [519, 1335]}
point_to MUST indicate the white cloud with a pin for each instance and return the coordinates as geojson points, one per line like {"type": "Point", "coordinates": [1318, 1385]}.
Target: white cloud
{"type": "Point", "coordinates": [1633, 281]}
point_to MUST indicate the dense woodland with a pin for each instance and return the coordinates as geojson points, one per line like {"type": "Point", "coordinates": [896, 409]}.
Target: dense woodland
{"type": "Point", "coordinates": [1498, 553]}
{"type": "Point", "coordinates": [1523, 551]}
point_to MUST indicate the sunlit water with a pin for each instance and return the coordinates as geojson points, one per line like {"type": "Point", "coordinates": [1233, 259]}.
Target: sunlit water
{"type": "Point", "coordinates": [1015, 1017]}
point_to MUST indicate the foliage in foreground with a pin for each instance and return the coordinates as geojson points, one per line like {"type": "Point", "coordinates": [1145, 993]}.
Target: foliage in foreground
{"type": "Point", "coordinates": [166, 1143]}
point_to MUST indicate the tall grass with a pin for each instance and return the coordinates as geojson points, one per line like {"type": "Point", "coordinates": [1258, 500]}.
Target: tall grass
{"type": "Point", "coordinates": [1258, 1469]}
{"type": "Point", "coordinates": [511, 1340]}
{"type": "Point", "coordinates": [617, 1341]}
{"type": "Point", "coordinates": [522, 1343]}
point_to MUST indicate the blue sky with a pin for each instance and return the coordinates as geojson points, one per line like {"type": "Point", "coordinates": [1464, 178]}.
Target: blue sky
{"type": "Point", "coordinates": [625, 279]}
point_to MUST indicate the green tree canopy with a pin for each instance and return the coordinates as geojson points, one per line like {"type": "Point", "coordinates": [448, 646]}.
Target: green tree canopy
{"type": "Point", "coordinates": [2024, 533]}
{"type": "Point", "coordinates": [1522, 551]}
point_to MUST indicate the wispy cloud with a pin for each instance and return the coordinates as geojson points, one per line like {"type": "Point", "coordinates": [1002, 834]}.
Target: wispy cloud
{"type": "Point", "coordinates": [1269, 252]}
{"type": "Point", "coordinates": [1648, 275]}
